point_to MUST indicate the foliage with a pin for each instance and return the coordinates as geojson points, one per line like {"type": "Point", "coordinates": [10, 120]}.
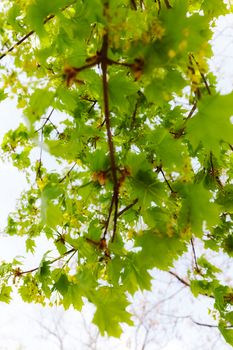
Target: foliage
{"type": "Point", "coordinates": [137, 173]}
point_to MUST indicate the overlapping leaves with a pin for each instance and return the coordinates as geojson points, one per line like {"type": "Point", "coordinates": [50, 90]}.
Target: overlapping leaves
{"type": "Point", "coordinates": [97, 82]}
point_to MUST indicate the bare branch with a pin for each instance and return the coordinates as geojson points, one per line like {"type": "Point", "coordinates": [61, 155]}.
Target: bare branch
{"type": "Point", "coordinates": [180, 279]}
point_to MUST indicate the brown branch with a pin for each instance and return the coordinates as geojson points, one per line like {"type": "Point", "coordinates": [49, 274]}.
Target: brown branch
{"type": "Point", "coordinates": [187, 284]}
{"type": "Point", "coordinates": [127, 208]}
{"type": "Point", "coordinates": [203, 324]}
{"type": "Point", "coordinates": [68, 173]}
{"type": "Point", "coordinates": [168, 5]}
{"type": "Point", "coordinates": [193, 109]}
{"type": "Point", "coordinates": [159, 6]}
{"type": "Point", "coordinates": [24, 38]}
{"type": "Point", "coordinates": [92, 106]}
{"type": "Point", "coordinates": [180, 279]}
{"type": "Point", "coordinates": [180, 132]}
{"type": "Point", "coordinates": [191, 319]}
{"type": "Point", "coordinates": [29, 34]}
{"type": "Point", "coordinates": [104, 67]}
{"type": "Point", "coordinates": [108, 218]}
{"type": "Point", "coordinates": [134, 113]}
{"type": "Point", "coordinates": [133, 5]}
{"type": "Point", "coordinates": [88, 65]}
{"type": "Point", "coordinates": [202, 74]}
{"type": "Point", "coordinates": [195, 256]}
{"type": "Point", "coordinates": [46, 121]}
{"type": "Point", "coordinates": [73, 250]}
{"type": "Point", "coordinates": [118, 63]}
{"type": "Point", "coordinates": [38, 172]}
{"type": "Point", "coordinates": [166, 180]}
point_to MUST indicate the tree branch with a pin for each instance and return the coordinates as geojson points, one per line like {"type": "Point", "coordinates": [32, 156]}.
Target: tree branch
{"type": "Point", "coordinates": [46, 121]}
{"type": "Point", "coordinates": [71, 251]}
{"type": "Point", "coordinates": [187, 284]}
{"type": "Point", "coordinates": [133, 5]}
{"type": "Point", "coordinates": [104, 67]}
{"type": "Point", "coordinates": [195, 257]}
{"type": "Point", "coordinates": [191, 319]}
{"type": "Point", "coordinates": [127, 208]}
{"type": "Point", "coordinates": [180, 279]}
{"type": "Point", "coordinates": [165, 179]}
{"type": "Point", "coordinates": [108, 218]}
{"type": "Point", "coordinates": [168, 5]}
{"type": "Point", "coordinates": [29, 34]}
{"type": "Point", "coordinates": [68, 173]}
{"type": "Point", "coordinates": [202, 75]}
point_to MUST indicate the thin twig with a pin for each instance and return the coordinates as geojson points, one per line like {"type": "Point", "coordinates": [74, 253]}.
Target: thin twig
{"type": "Point", "coordinates": [191, 319]}
{"type": "Point", "coordinates": [202, 75]}
{"type": "Point", "coordinates": [166, 180]}
{"type": "Point", "coordinates": [180, 132]}
{"type": "Point", "coordinates": [24, 38]}
{"type": "Point", "coordinates": [134, 114]}
{"type": "Point", "coordinates": [38, 173]}
{"type": "Point", "coordinates": [92, 106]}
{"type": "Point", "coordinates": [68, 173]}
{"type": "Point", "coordinates": [127, 207]}
{"type": "Point", "coordinates": [118, 63]}
{"type": "Point", "coordinates": [180, 279]}
{"type": "Point", "coordinates": [195, 257]}
{"type": "Point", "coordinates": [187, 284]}
{"type": "Point", "coordinates": [193, 109]}
{"type": "Point", "coordinates": [29, 34]}
{"type": "Point", "coordinates": [50, 262]}
{"type": "Point", "coordinates": [46, 121]}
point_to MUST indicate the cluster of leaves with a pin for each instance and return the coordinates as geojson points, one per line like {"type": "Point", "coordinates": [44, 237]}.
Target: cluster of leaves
{"type": "Point", "coordinates": [137, 174]}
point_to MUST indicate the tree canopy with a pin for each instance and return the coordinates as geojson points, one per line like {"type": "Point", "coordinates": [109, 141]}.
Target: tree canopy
{"type": "Point", "coordinates": [127, 147]}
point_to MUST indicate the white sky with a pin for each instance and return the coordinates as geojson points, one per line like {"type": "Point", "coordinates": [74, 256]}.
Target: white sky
{"type": "Point", "coordinates": [18, 321]}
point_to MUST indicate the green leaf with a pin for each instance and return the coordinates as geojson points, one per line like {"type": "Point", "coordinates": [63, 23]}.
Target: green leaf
{"type": "Point", "coordinates": [3, 95]}
{"type": "Point", "coordinates": [62, 284]}
{"type": "Point", "coordinates": [111, 307]}
{"type": "Point", "coordinates": [159, 251]}
{"type": "Point", "coordinates": [30, 245]}
{"type": "Point", "coordinates": [40, 101]}
{"type": "Point", "coordinates": [135, 275]}
{"type": "Point", "coordinates": [212, 125]}
{"type": "Point", "coordinates": [197, 208]}
{"type": "Point", "coordinates": [51, 214]}
{"type": "Point", "coordinates": [73, 297]}
{"type": "Point", "coordinates": [5, 294]}
{"type": "Point", "coordinates": [39, 10]}
{"type": "Point", "coordinates": [119, 89]}
{"type": "Point", "coordinates": [226, 332]}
